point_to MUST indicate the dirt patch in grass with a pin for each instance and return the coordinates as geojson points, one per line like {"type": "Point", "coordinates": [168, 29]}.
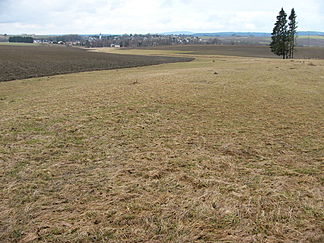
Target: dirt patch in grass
{"type": "Point", "coordinates": [23, 61]}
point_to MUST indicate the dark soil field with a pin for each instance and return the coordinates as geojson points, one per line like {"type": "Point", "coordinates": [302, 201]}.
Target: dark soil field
{"type": "Point", "coordinates": [20, 62]}
{"type": "Point", "coordinates": [243, 51]}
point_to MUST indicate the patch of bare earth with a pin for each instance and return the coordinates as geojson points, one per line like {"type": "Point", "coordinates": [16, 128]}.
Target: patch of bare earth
{"type": "Point", "coordinates": [29, 61]}
{"type": "Point", "coordinates": [217, 150]}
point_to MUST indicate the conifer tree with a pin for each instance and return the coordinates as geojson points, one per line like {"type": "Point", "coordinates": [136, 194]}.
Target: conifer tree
{"type": "Point", "coordinates": [280, 38]}
{"type": "Point", "coordinates": [292, 32]}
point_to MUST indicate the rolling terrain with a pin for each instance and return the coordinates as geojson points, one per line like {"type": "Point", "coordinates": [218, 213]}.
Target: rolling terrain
{"type": "Point", "coordinates": [220, 149]}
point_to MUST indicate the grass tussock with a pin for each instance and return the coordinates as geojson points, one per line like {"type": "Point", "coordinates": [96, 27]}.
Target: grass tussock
{"type": "Point", "coordinates": [169, 153]}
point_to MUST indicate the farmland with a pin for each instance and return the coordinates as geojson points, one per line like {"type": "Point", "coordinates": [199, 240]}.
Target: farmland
{"type": "Point", "coordinates": [241, 50]}
{"type": "Point", "coordinates": [301, 41]}
{"type": "Point", "coordinates": [219, 149]}
{"type": "Point", "coordinates": [27, 60]}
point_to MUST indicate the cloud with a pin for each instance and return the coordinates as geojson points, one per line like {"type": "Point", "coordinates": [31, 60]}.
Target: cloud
{"type": "Point", "coordinates": [147, 16]}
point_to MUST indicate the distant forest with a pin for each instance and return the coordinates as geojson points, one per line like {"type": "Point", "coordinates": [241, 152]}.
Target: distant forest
{"type": "Point", "coordinates": [21, 39]}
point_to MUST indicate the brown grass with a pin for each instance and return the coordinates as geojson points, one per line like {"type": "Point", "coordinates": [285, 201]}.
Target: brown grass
{"type": "Point", "coordinates": [168, 153]}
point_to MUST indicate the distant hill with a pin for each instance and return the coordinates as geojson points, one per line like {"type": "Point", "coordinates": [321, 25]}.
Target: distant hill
{"type": "Point", "coordinates": [179, 33]}
{"type": "Point", "coordinates": [255, 34]}
{"type": "Point", "coordinates": [305, 33]}
{"type": "Point", "coordinates": [228, 34]}
{"type": "Point", "coordinates": [212, 34]}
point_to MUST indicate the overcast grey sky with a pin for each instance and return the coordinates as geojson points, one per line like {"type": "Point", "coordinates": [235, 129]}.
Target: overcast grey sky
{"type": "Point", "coordinates": [152, 16]}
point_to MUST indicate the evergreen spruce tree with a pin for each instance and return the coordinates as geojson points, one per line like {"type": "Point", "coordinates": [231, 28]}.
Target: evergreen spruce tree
{"type": "Point", "coordinates": [280, 38]}
{"type": "Point", "coordinates": [292, 32]}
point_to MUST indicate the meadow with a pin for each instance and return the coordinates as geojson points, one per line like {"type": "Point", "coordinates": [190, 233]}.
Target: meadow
{"type": "Point", "coordinates": [219, 149]}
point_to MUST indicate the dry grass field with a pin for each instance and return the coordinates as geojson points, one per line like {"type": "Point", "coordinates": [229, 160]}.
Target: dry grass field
{"type": "Point", "coordinates": [221, 149]}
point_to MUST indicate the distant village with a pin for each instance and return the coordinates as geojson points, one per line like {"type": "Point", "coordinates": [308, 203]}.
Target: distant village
{"type": "Point", "coordinates": [116, 41]}
{"type": "Point", "coordinates": [145, 40]}
{"type": "Point", "coordinates": [149, 40]}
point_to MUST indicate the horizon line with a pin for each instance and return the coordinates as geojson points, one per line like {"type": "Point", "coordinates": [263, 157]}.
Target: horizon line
{"type": "Point", "coordinates": [164, 33]}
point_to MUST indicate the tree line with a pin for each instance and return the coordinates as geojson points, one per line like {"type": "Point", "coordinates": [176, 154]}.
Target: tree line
{"type": "Point", "coordinates": [283, 35]}
{"type": "Point", "coordinates": [21, 39]}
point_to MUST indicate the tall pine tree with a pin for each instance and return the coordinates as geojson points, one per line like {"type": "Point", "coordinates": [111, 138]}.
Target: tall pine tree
{"type": "Point", "coordinates": [292, 32]}
{"type": "Point", "coordinates": [280, 38]}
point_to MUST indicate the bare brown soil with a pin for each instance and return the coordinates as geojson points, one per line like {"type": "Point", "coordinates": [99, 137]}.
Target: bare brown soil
{"type": "Point", "coordinates": [242, 51]}
{"type": "Point", "coordinates": [19, 62]}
